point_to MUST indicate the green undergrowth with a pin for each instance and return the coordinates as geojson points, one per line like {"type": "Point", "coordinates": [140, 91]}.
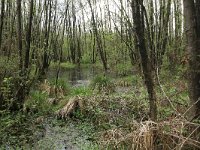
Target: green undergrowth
{"type": "Point", "coordinates": [62, 83]}
{"type": "Point", "coordinates": [123, 69]}
{"type": "Point", "coordinates": [118, 118]}
{"type": "Point", "coordinates": [118, 114]}
{"type": "Point", "coordinates": [18, 129]}
{"type": "Point", "coordinates": [109, 119]}
{"type": "Point", "coordinates": [130, 80]}
{"type": "Point", "coordinates": [80, 91]}
{"type": "Point", "coordinates": [38, 104]}
{"type": "Point", "coordinates": [172, 94]}
{"type": "Point", "coordinates": [97, 65]}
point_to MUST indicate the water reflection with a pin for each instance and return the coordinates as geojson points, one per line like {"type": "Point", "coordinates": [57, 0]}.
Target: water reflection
{"type": "Point", "coordinates": [77, 76]}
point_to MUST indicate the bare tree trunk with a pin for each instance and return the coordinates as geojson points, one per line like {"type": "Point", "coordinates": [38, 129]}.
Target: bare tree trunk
{"type": "Point", "coordinates": [19, 32]}
{"type": "Point", "coordinates": [21, 87]}
{"type": "Point", "coordinates": [28, 36]}
{"type": "Point", "coordinates": [194, 59]}
{"type": "Point", "coordinates": [2, 20]}
{"type": "Point", "coordinates": [138, 17]}
{"type": "Point", "coordinates": [46, 60]}
{"type": "Point", "coordinates": [98, 39]}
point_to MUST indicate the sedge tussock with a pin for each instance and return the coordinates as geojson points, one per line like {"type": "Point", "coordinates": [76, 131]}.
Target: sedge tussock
{"type": "Point", "coordinates": [148, 135]}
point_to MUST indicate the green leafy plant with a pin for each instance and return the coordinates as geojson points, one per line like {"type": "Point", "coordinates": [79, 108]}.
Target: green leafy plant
{"type": "Point", "coordinates": [7, 92]}
{"type": "Point", "coordinates": [38, 103]}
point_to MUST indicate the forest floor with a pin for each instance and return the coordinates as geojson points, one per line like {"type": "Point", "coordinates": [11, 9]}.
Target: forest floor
{"type": "Point", "coordinates": [92, 111]}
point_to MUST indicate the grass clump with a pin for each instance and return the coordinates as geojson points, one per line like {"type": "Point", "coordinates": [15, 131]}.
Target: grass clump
{"type": "Point", "coordinates": [80, 91]}
{"type": "Point", "coordinates": [38, 103]}
{"type": "Point", "coordinates": [176, 133]}
{"type": "Point", "coordinates": [128, 81]}
{"type": "Point", "coordinates": [102, 84]}
{"type": "Point", "coordinates": [61, 84]}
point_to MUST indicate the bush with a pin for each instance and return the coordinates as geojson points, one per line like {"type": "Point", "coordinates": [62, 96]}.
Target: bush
{"type": "Point", "coordinates": [9, 84]}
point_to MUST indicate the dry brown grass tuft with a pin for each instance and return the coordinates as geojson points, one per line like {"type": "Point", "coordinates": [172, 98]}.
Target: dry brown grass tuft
{"type": "Point", "coordinates": [129, 125]}
{"type": "Point", "coordinates": [52, 90]}
{"type": "Point", "coordinates": [45, 87]}
{"type": "Point", "coordinates": [167, 135]}
{"type": "Point", "coordinates": [105, 109]}
{"type": "Point", "coordinates": [72, 105]}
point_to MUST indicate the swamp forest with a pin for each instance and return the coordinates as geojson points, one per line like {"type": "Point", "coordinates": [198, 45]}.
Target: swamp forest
{"type": "Point", "coordinates": [99, 74]}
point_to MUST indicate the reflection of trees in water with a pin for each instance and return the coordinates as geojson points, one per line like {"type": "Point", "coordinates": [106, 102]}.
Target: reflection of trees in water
{"type": "Point", "coordinates": [76, 74]}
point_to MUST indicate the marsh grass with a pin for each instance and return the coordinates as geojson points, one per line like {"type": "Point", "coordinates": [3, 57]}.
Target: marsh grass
{"type": "Point", "coordinates": [170, 134]}
{"type": "Point", "coordinates": [65, 65]}
{"type": "Point", "coordinates": [121, 120]}
{"type": "Point", "coordinates": [37, 103]}
{"type": "Point", "coordinates": [81, 91]}
{"type": "Point", "coordinates": [102, 84]}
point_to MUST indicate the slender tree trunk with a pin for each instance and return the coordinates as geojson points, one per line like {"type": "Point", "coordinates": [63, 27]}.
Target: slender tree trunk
{"type": "Point", "coordinates": [21, 87]}
{"type": "Point", "coordinates": [98, 38]}
{"type": "Point", "coordinates": [28, 36]}
{"type": "Point", "coordinates": [46, 61]}
{"type": "Point", "coordinates": [2, 20]}
{"type": "Point", "coordinates": [19, 32]}
{"type": "Point", "coordinates": [146, 65]}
